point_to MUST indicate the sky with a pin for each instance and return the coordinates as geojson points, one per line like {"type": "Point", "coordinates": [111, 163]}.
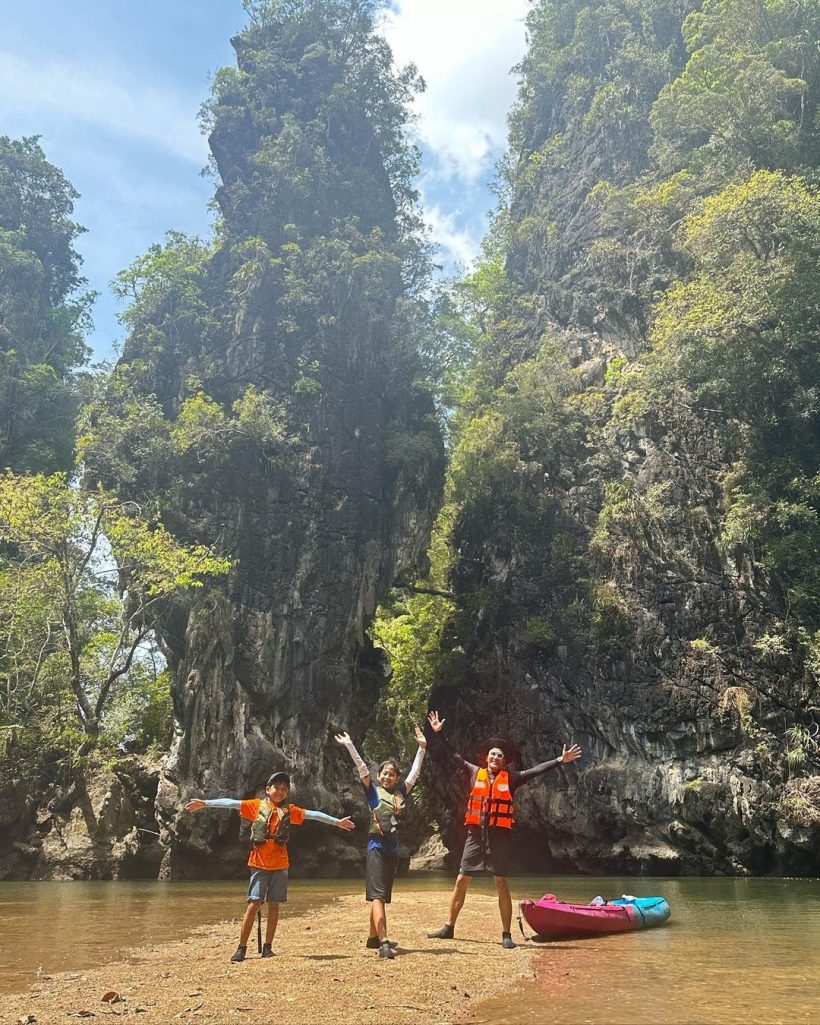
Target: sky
{"type": "Point", "coordinates": [114, 88]}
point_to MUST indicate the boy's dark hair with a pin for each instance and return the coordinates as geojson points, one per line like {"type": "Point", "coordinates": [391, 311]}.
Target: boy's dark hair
{"type": "Point", "coordinates": [278, 777]}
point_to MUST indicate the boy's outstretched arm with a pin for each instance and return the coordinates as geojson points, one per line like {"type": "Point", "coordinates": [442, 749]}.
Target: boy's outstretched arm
{"type": "Point", "coordinates": [329, 820]}
{"type": "Point", "coordinates": [217, 802]}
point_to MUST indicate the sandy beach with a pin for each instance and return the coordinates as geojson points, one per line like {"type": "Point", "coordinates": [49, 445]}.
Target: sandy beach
{"type": "Point", "coordinates": [321, 973]}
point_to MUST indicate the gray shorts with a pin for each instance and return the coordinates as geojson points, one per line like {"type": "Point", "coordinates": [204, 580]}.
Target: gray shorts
{"type": "Point", "coordinates": [487, 852]}
{"type": "Point", "coordinates": [268, 886]}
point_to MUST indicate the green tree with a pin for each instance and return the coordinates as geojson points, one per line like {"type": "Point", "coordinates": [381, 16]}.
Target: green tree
{"type": "Point", "coordinates": [44, 310]}
{"type": "Point", "coordinates": [748, 94]}
{"type": "Point", "coordinates": [84, 580]}
{"type": "Point", "coordinates": [408, 627]}
{"type": "Point", "coordinates": [737, 343]}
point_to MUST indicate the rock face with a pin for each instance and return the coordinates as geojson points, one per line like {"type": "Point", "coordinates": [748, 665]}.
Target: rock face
{"type": "Point", "coordinates": [266, 676]}
{"type": "Point", "coordinates": [681, 716]}
{"type": "Point", "coordinates": [599, 602]}
{"type": "Point", "coordinates": [104, 830]}
{"type": "Point", "coordinates": [311, 310]}
{"type": "Point", "coordinates": [432, 856]}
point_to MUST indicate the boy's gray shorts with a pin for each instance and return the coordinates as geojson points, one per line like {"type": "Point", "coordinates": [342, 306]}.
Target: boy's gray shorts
{"type": "Point", "coordinates": [268, 886]}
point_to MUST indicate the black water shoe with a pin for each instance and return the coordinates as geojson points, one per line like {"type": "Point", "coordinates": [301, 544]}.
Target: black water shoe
{"type": "Point", "coordinates": [507, 941]}
{"type": "Point", "coordinates": [386, 950]}
{"type": "Point", "coordinates": [374, 944]}
{"type": "Point", "coordinates": [446, 932]}
{"type": "Point", "coordinates": [266, 950]}
{"type": "Point", "coordinates": [239, 955]}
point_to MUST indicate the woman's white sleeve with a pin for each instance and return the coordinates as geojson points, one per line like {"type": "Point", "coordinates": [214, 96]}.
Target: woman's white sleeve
{"type": "Point", "coordinates": [358, 761]}
{"type": "Point", "coordinates": [415, 768]}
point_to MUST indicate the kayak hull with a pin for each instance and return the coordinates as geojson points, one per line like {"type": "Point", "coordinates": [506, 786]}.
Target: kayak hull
{"type": "Point", "coordinates": [550, 918]}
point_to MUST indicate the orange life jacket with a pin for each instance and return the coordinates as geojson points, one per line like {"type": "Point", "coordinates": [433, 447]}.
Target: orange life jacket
{"type": "Point", "coordinates": [490, 804]}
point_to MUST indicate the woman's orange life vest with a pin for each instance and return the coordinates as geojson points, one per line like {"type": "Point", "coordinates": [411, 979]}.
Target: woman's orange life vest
{"type": "Point", "coordinates": [490, 803]}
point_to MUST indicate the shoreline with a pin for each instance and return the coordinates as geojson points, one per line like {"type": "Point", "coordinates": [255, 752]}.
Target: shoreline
{"type": "Point", "coordinates": [321, 973]}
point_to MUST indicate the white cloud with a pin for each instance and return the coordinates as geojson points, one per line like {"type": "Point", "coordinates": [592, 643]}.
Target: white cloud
{"type": "Point", "coordinates": [47, 89]}
{"type": "Point", "coordinates": [464, 50]}
{"type": "Point", "coordinates": [459, 246]}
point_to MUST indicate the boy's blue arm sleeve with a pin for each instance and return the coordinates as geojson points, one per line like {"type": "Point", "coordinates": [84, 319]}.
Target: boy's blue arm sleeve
{"type": "Point", "coordinates": [320, 816]}
{"type": "Point", "coordinates": [223, 802]}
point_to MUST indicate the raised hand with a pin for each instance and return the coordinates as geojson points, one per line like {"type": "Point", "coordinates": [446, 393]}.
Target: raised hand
{"type": "Point", "coordinates": [342, 738]}
{"type": "Point", "coordinates": [436, 724]}
{"type": "Point", "coordinates": [346, 823]}
{"type": "Point", "coordinates": [420, 737]}
{"type": "Point", "coordinates": [569, 754]}
{"type": "Point", "coordinates": [195, 805]}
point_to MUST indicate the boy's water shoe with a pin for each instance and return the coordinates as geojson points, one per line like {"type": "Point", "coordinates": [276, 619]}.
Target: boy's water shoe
{"type": "Point", "coordinates": [373, 943]}
{"type": "Point", "coordinates": [386, 950]}
{"type": "Point", "coordinates": [507, 941]}
{"type": "Point", "coordinates": [446, 932]}
{"type": "Point", "coordinates": [240, 954]}
{"type": "Point", "coordinates": [266, 950]}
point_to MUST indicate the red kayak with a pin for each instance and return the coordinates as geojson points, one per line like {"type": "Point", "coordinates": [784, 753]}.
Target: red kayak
{"type": "Point", "coordinates": [550, 917]}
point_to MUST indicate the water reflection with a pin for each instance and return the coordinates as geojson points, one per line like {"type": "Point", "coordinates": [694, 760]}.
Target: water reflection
{"type": "Point", "coordinates": [735, 950]}
{"type": "Point", "coordinates": [55, 927]}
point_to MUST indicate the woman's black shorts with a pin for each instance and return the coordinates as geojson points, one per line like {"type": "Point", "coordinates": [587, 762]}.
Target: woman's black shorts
{"type": "Point", "coordinates": [487, 851]}
{"type": "Point", "coordinates": [379, 875]}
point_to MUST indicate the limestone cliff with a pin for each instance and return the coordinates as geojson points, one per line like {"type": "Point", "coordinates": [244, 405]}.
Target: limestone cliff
{"type": "Point", "coordinates": [606, 592]}
{"type": "Point", "coordinates": [269, 403]}
{"type": "Point", "coordinates": [315, 176]}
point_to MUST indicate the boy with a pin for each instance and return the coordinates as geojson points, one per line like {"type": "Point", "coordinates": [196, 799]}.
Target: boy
{"type": "Point", "coordinates": [271, 820]}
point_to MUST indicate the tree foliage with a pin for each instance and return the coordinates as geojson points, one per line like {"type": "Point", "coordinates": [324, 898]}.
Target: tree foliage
{"type": "Point", "coordinates": [84, 578]}
{"type": "Point", "coordinates": [310, 293]}
{"type": "Point", "coordinates": [44, 311]}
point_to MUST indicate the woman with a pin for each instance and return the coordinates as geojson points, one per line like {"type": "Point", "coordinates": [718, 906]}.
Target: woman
{"type": "Point", "coordinates": [386, 799]}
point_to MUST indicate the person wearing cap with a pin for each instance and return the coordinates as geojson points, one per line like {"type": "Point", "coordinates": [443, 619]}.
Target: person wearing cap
{"type": "Point", "coordinates": [489, 820]}
{"type": "Point", "coordinates": [271, 818]}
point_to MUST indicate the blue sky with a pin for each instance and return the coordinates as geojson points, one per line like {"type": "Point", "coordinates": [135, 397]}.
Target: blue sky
{"type": "Point", "coordinates": [113, 89]}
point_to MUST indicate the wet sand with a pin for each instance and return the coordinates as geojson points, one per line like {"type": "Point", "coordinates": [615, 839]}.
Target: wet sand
{"type": "Point", "coordinates": [321, 973]}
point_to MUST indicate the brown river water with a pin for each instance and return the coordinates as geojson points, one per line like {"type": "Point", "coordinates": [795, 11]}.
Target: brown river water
{"type": "Point", "coordinates": [734, 950]}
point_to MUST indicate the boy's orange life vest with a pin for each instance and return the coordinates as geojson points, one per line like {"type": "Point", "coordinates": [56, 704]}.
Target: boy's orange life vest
{"type": "Point", "coordinates": [272, 822]}
{"type": "Point", "coordinates": [490, 803]}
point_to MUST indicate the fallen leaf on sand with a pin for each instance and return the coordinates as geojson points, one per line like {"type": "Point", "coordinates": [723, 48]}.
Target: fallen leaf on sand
{"type": "Point", "coordinates": [27, 1019]}
{"type": "Point", "coordinates": [111, 997]}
